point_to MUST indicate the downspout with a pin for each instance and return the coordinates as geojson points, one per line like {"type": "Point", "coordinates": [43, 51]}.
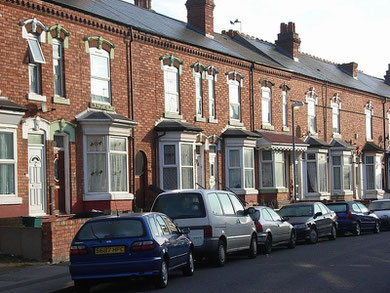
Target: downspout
{"type": "Point", "coordinates": [386, 158]}
{"type": "Point", "coordinates": [252, 94]}
{"type": "Point", "coordinates": [325, 113]}
{"type": "Point", "coordinates": [156, 157]}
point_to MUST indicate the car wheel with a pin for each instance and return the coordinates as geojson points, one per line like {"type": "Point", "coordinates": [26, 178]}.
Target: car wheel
{"type": "Point", "coordinates": [267, 247]}
{"type": "Point", "coordinates": [333, 233]}
{"type": "Point", "coordinates": [81, 286]}
{"type": "Point", "coordinates": [313, 236]}
{"type": "Point", "coordinates": [357, 230]}
{"type": "Point", "coordinates": [162, 278]}
{"type": "Point", "coordinates": [189, 267]}
{"type": "Point", "coordinates": [220, 256]}
{"type": "Point", "coordinates": [252, 253]}
{"type": "Point", "coordinates": [377, 228]}
{"type": "Point", "coordinates": [293, 240]}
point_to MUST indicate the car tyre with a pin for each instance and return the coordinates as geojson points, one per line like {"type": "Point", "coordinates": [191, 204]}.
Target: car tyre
{"type": "Point", "coordinates": [161, 280]}
{"type": "Point", "coordinates": [357, 231]}
{"type": "Point", "coordinates": [377, 227]}
{"type": "Point", "coordinates": [252, 253]}
{"type": "Point", "coordinates": [189, 268]}
{"type": "Point", "coordinates": [293, 240]}
{"type": "Point", "coordinates": [313, 236]}
{"type": "Point", "coordinates": [220, 255]}
{"type": "Point", "coordinates": [267, 246]}
{"type": "Point", "coordinates": [81, 286]}
{"type": "Point", "coordinates": [333, 233]}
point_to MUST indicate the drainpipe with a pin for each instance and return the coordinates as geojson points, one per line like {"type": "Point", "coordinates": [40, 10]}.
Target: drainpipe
{"type": "Point", "coordinates": [384, 179]}
{"type": "Point", "coordinates": [252, 98]}
{"type": "Point", "coordinates": [325, 113]}
{"type": "Point", "coordinates": [156, 157]}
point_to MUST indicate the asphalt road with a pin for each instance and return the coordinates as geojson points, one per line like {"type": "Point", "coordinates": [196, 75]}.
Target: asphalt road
{"type": "Point", "coordinates": [348, 264]}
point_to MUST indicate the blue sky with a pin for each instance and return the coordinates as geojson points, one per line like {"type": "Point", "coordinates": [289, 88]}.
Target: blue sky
{"type": "Point", "coordinates": [341, 31]}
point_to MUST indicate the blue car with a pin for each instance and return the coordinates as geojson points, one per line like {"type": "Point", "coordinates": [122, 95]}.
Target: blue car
{"type": "Point", "coordinates": [354, 217]}
{"type": "Point", "coordinates": [140, 245]}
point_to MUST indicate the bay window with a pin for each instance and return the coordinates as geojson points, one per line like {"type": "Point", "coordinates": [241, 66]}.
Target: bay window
{"type": "Point", "coordinates": [342, 172]}
{"type": "Point", "coordinates": [249, 170]}
{"type": "Point", "coordinates": [370, 172]}
{"type": "Point", "coordinates": [240, 168]}
{"type": "Point", "coordinates": [317, 170]}
{"type": "Point", "coordinates": [7, 163]}
{"type": "Point", "coordinates": [273, 169]}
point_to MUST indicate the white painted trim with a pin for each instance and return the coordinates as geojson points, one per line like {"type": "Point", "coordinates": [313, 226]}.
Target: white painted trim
{"type": "Point", "coordinates": [36, 97]}
{"type": "Point", "coordinates": [5, 199]}
{"type": "Point", "coordinates": [35, 124]}
{"type": "Point", "coordinates": [107, 196]}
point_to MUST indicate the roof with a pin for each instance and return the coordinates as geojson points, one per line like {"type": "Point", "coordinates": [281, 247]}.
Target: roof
{"type": "Point", "coordinates": [282, 138]}
{"type": "Point", "coordinates": [102, 116]}
{"type": "Point", "coordinates": [315, 142]}
{"type": "Point", "coordinates": [341, 144]}
{"type": "Point", "coordinates": [176, 125]}
{"type": "Point", "coordinates": [372, 147]}
{"type": "Point", "coordinates": [6, 104]}
{"type": "Point", "coordinates": [237, 132]}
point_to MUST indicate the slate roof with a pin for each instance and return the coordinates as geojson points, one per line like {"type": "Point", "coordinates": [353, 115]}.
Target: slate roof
{"type": "Point", "coordinates": [6, 104]}
{"type": "Point", "coordinates": [280, 138]}
{"type": "Point", "coordinates": [242, 47]}
{"type": "Point", "coordinates": [372, 147]}
{"type": "Point", "coordinates": [315, 142]}
{"type": "Point", "coordinates": [237, 132]}
{"type": "Point", "coordinates": [339, 143]}
{"type": "Point", "coordinates": [106, 116]}
{"type": "Point", "coordinates": [176, 125]}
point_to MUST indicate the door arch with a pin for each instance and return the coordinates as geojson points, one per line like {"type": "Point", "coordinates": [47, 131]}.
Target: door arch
{"type": "Point", "coordinates": [140, 172]}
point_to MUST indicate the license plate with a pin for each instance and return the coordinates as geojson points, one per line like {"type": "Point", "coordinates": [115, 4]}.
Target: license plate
{"type": "Point", "coordinates": [109, 250]}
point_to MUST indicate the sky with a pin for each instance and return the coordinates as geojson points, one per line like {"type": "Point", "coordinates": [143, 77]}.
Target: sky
{"type": "Point", "coordinates": [340, 31]}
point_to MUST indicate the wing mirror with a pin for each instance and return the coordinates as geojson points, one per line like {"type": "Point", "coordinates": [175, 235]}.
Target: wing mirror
{"type": "Point", "coordinates": [253, 213]}
{"type": "Point", "coordinates": [317, 214]}
{"type": "Point", "coordinates": [185, 230]}
{"type": "Point", "coordinates": [285, 219]}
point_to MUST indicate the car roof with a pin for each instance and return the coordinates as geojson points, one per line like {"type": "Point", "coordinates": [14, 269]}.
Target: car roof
{"type": "Point", "coordinates": [203, 191]}
{"type": "Point", "coordinates": [123, 216]}
{"type": "Point", "coordinates": [300, 204]}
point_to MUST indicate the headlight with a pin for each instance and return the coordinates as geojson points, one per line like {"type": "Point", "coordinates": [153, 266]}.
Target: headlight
{"type": "Point", "coordinates": [300, 226]}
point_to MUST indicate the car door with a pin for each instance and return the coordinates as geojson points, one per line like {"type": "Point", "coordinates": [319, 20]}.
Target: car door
{"type": "Point", "coordinates": [181, 241]}
{"type": "Point", "coordinates": [328, 222]}
{"type": "Point", "coordinates": [283, 227]}
{"type": "Point", "coordinates": [170, 242]}
{"type": "Point", "coordinates": [271, 224]}
{"type": "Point", "coordinates": [231, 222]}
{"type": "Point", "coordinates": [359, 216]}
{"type": "Point", "coordinates": [244, 223]}
{"type": "Point", "coordinates": [369, 220]}
{"type": "Point", "coordinates": [320, 220]}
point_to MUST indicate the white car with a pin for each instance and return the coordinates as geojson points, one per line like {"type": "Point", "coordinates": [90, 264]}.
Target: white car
{"type": "Point", "coordinates": [381, 208]}
{"type": "Point", "coordinates": [218, 222]}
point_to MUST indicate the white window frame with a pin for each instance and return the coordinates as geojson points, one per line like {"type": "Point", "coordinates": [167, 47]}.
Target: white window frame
{"type": "Point", "coordinates": [285, 108]}
{"type": "Point", "coordinates": [95, 52]}
{"type": "Point", "coordinates": [369, 114]}
{"type": "Point", "coordinates": [234, 85]}
{"type": "Point", "coordinates": [11, 198]}
{"type": "Point", "coordinates": [345, 166]}
{"type": "Point", "coordinates": [266, 104]}
{"type": "Point", "coordinates": [320, 157]}
{"type": "Point", "coordinates": [311, 117]}
{"type": "Point", "coordinates": [377, 164]}
{"type": "Point", "coordinates": [171, 95]}
{"type": "Point", "coordinates": [335, 118]}
{"type": "Point", "coordinates": [34, 65]}
{"type": "Point", "coordinates": [211, 79]}
{"type": "Point", "coordinates": [273, 161]}
{"type": "Point", "coordinates": [119, 152]}
{"type": "Point", "coordinates": [182, 166]}
{"type": "Point", "coordinates": [241, 168]}
{"type": "Point", "coordinates": [60, 60]}
{"type": "Point", "coordinates": [249, 168]}
{"type": "Point", "coordinates": [198, 94]}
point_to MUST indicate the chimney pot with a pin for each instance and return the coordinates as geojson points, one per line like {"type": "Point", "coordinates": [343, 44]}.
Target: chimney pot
{"type": "Point", "coordinates": [200, 14]}
{"type": "Point", "coordinates": [289, 40]}
{"type": "Point", "coordinates": [146, 4]}
{"type": "Point", "coordinates": [387, 76]}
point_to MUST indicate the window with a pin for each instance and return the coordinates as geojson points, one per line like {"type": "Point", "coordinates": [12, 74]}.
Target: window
{"type": "Point", "coordinates": [273, 168]}
{"type": "Point", "coordinates": [284, 108]}
{"type": "Point", "coordinates": [370, 172]}
{"type": "Point", "coordinates": [236, 204]}
{"type": "Point", "coordinates": [311, 115]}
{"type": "Point", "coordinates": [214, 204]}
{"type": "Point", "coordinates": [368, 124]}
{"type": "Point", "coordinates": [226, 204]}
{"type": "Point", "coordinates": [58, 68]}
{"type": "Point", "coordinates": [36, 58]}
{"type": "Point", "coordinates": [362, 207]}
{"type": "Point", "coordinates": [106, 164]}
{"type": "Point", "coordinates": [274, 215]}
{"type": "Point", "coordinates": [317, 178]}
{"type": "Point", "coordinates": [356, 208]}
{"type": "Point", "coordinates": [336, 172]}
{"type": "Point", "coordinates": [7, 163]}
{"type": "Point", "coordinates": [212, 102]}
{"type": "Point", "coordinates": [234, 164]}
{"type": "Point", "coordinates": [172, 227]}
{"type": "Point", "coordinates": [187, 166]}
{"type": "Point", "coordinates": [100, 76]}
{"type": "Point", "coordinates": [35, 50]}
{"type": "Point", "coordinates": [323, 172]}
{"type": "Point", "coordinates": [347, 172]}
{"type": "Point", "coordinates": [279, 169]}
{"type": "Point", "coordinates": [266, 169]}
{"type": "Point", "coordinates": [249, 170]}
{"type": "Point", "coordinates": [163, 225]}
{"type": "Point", "coordinates": [266, 106]}
{"type": "Point", "coordinates": [336, 118]}
{"type": "Point", "coordinates": [169, 167]}
{"type": "Point", "coordinates": [266, 216]}
{"type": "Point", "coordinates": [317, 209]}
{"type": "Point", "coordinates": [199, 94]}
{"type": "Point", "coordinates": [235, 100]}
{"type": "Point", "coordinates": [171, 87]}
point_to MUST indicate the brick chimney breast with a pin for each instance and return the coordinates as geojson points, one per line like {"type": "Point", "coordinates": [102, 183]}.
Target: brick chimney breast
{"type": "Point", "coordinates": [387, 76]}
{"type": "Point", "coordinates": [289, 40]}
{"type": "Point", "coordinates": [146, 4]}
{"type": "Point", "coordinates": [350, 69]}
{"type": "Point", "coordinates": [200, 14]}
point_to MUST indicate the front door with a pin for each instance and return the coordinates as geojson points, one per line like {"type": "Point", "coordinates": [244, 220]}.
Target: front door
{"type": "Point", "coordinates": [36, 175]}
{"type": "Point", "coordinates": [213, 167]}
{"type": "Point", "coordinates": [199, 168]}
{"type": "Point", "coordinates": [59, 180]}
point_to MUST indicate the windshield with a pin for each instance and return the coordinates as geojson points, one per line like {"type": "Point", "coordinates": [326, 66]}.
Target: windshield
{"type": "Point", "coordinates": [338, 208]}
{"type": "Point", "coordinates": [379, 205]}
{"type": "Point", "coordinates": [180, 205]}
{"type": "Point", "coordinates": [296, 211]}
{"type": "Point", "coordinates": [111, 229]}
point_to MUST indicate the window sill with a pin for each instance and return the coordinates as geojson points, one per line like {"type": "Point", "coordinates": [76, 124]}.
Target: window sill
{"type": "Point", "coordinates": [243, 191]}
{"type": "Point", "coordinates": [266, 190]}
{"type": "Point", "coordinates": [336, 135]}
{"type": "Point", "coordinates": [213, 120]}
{"type": "Point", "coordinates": [199, 119]}
{"type": "Point", "coordinates": [236, 123]}
{"type": "Point", "coordinates": [61, 100]}
{"type": "Point", "coordinates": [267, 127]}
{"type": "Point", "coordinates": [107, 196]}
{"type": "Point", "coordinates": [172, 115]}
{"type": "Point", "coordinates": [101, 106]}
{"type": "Point", "coordinates": [286, 129]}
{"type": "Point", "coordinates": [10, 199]}
{"type": "Point", "coordinates": [36, 97]}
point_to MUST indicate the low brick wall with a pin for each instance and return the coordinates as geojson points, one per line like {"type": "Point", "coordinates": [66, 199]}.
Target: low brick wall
{"type": "Point", "coordinates": [57, 236]}
{"type": "Point", "coordinates": [25, 241]}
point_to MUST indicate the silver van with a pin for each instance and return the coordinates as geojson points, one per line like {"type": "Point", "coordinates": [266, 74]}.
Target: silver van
{"type": "Point", "coordinates": [217, 220]}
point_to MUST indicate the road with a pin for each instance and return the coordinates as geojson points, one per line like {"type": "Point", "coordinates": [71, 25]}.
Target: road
{"type": "Point", "coordinates": [348, 264]}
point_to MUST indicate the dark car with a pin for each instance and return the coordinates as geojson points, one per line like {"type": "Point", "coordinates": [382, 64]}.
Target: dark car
{"type": "Point", "coordinates": [144, 244]}
{"type": "Point", "coordinates": [381, 208]}
{"type": "Point", "coordinates": [354, 217]}
{"type": "Point", "coordinates": [311, 220]}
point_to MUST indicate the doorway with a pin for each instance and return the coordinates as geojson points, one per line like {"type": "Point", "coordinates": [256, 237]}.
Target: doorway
{"type": "Point", "coordinates": [140, 180]}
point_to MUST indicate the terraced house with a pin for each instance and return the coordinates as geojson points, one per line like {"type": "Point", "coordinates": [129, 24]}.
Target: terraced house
{"type": "Point", "coordinates": [104, 103]}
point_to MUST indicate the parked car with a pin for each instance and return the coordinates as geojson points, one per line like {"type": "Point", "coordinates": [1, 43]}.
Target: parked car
{"type": "Point", "coordinates": [311, 220]}
{"type": "Point", "coordinates": [218, 222]}
{"type": "Point", "coordinates": [381, 208]}
{"type": "Point", "coordinates": [272, 230]}
{"type": "Point", "coordinates": [145, 244]}
{"type": "Point", "coordinates": [354, 217]}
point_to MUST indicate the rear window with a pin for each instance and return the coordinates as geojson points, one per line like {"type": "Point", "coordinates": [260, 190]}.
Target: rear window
{"type": "Point", "coordinates": [338, 208]}
{"type": "Point", "coordinates": [296, 211]}
{"type": "Point", "coordinates": [111, 229]}
{"type": "Point", "coordinates": [180, 205]}
{"type": "Point", "coordinates": [379, 205]}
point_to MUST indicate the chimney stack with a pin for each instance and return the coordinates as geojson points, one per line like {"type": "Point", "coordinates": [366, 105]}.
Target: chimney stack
{"type": "Point", "coordinates": [387, 76]}
{"type": "Point", "coordinates": [289, 40]}
{"type": "Point", "coordinates": [350, 69]}
{"type": "Point", "coordinates": [146, 4]}
{"type": "Point", "coordinates": [200, 14]}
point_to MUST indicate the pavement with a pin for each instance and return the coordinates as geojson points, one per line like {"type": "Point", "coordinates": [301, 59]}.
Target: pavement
{"type": "Point", "coordinates": [35, 278]}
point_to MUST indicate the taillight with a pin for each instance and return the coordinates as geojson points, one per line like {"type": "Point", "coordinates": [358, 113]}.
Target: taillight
{"type": "Point", "coordinates": [259, 227]}
{"type": "Point", "coordinates": [78, 250]}
{"type": "Point", "coordinates": [349, 215]}
{"type": "Point", "coordinates": [208, 232]}
{"type": "Point", "coordinates": [142, 245]}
